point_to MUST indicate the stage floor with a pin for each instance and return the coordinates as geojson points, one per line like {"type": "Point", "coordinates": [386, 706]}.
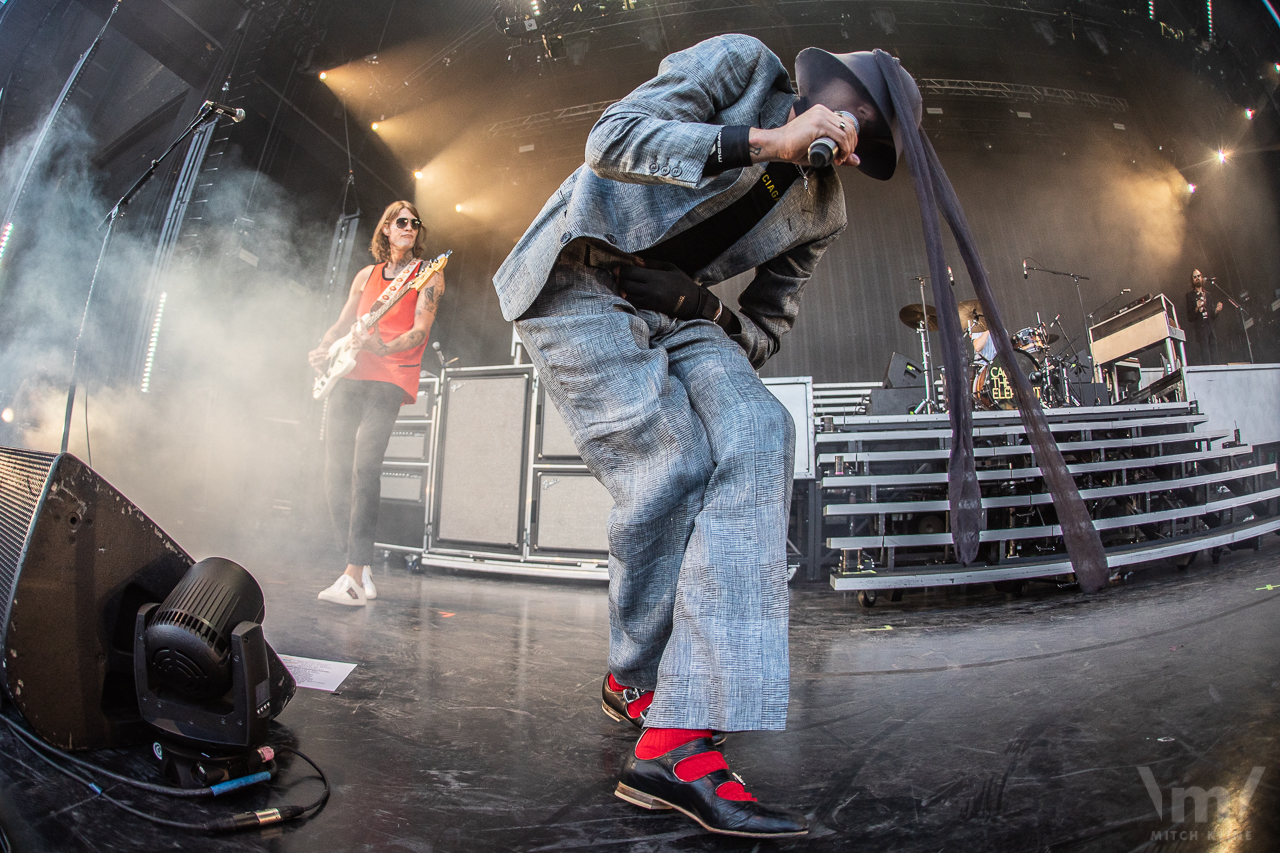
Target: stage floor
{"type": "Point", "coordinates": [952, 721]}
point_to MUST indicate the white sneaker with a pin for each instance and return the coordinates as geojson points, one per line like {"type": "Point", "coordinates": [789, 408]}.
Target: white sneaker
{"type": "Point", "coordinates": [344, 591]}
{"type": "Point", "coordinates": [366, 581]}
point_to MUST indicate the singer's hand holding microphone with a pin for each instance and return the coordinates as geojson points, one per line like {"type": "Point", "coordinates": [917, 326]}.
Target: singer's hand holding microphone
{"type": "Point", "coordinates": [816, 137]}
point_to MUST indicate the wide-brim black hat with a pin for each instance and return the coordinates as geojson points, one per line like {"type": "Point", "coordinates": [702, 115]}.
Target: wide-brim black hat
{"type": "Point", "coordinates": [878, 152]}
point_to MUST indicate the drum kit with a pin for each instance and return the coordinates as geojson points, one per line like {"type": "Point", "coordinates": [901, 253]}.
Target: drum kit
{"type": "Point", "coordinates": [1049, 373]}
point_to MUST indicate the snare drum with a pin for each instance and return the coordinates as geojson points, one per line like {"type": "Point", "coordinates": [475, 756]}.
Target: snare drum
{"type": "Point", "coordinates": [1032, 339]}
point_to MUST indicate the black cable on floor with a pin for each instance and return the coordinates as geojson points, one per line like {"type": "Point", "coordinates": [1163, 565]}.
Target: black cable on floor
{"type": "Point", "coordinates": [243, 820]}
{"type": "Point", "coordinates": [167, 790]}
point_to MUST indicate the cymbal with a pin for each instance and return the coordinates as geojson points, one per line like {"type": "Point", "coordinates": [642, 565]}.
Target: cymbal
{"type": "Point", "coordinates": [971, 312]}
{"type": "Point", "coordinates": [911, 316]}
{"type": "Point", "coordinates": [1051, 339]}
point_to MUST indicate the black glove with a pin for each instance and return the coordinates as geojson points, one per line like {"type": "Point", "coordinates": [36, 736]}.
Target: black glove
{"type": "Point", "coordinates": [667, 289]}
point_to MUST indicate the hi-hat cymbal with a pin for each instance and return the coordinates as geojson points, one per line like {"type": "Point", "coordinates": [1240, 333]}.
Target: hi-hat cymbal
{"type": "Point", "coordinates": [911, 315]}
{"type": "Point", "coordinates": [1051, 339]}
{"type": "Point", "coordinates": [971, 313]}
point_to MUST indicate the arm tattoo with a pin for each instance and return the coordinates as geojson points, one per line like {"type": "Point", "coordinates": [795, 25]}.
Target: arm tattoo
{"type": "Point", "coordinates": [415, 337]}
{"type": "Point", "coordinates": [431, 299]}
{"type": "Point", "coordinates": [755, 150]}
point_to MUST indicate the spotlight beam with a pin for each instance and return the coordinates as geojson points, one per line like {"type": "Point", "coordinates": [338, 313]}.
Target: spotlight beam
{"type": "Point", "coordinates": [373, 174]}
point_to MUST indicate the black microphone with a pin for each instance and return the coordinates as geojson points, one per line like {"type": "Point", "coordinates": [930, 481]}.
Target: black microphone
{"type": "Point", "coordinates": [823, 149]}
{"type": "Point", "coordinates": [233, 113]}
{"type": "Point", "coordinates": [1024, 269]}
{"type": "Point", "coordinates": [435, 345]}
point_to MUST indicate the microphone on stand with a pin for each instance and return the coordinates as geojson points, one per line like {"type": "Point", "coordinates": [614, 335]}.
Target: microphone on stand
{"type": "Point", "coordinates": [234, 113]}
{"type": "Point", "coordinates": [435, 345]}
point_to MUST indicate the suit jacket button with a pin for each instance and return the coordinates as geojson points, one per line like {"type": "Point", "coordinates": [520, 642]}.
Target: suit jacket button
{"type": "Point", "coordinates": [612, 239]}
{"type": "Point", "coordinates": [564, 238]}
{"type": "Point", "coordinates": [665, 170]}
{"type": "Point", "coordinates": [675, 170]}
{"type": "Point", "coordinates": [653, 168]}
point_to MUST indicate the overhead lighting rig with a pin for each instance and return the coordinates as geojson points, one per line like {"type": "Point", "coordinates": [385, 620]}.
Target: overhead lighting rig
{"type": "Point", "coordinates": [547, 30]}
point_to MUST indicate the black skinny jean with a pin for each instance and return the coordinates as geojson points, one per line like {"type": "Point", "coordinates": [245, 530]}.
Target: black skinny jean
{"type": "Point", "coordinates": [361, 415]}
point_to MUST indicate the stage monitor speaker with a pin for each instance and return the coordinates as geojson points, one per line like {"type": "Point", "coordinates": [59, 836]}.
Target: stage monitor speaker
{"type": "Point", "coordinates": [894, 401]}
{"type": "Point", "coordinates": [903, 372]}
{"type": "Point", "coordinates": [573, 513]}
{"type": "Point", "coordinates": [1091, 393]}
{"type": "Point", "coordinates": [77, 561]}
{"type": "Point", "coordinates": [480, 481]}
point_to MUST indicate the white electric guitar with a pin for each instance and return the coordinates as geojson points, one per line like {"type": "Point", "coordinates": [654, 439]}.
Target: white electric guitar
{"type": "Point", "coordinates": [342, 353]}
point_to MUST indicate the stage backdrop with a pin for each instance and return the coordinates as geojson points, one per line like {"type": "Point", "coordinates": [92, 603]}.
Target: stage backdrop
{"type": "Point", "coordinates": [1103, 211]}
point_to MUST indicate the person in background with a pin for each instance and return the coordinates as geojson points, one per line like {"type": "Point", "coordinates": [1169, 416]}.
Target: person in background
{"type": "Point", "coordinates": [1201, 315]}
{"type": "Point", "coordinates": [364, 404]}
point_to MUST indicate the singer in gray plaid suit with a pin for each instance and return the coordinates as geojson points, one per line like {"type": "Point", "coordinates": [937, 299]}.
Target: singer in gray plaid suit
{"type": "Point", "coordinates": [696, 176]}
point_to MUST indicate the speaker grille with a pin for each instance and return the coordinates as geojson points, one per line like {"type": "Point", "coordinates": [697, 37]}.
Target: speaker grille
{"type": "Point", "coordinates": [23, 474]}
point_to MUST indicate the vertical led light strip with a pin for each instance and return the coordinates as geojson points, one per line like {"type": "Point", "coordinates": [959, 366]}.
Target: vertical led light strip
{"type": "Point", "coordinates": [4, 236]}
{"type": "Point", "coordinates": [151, 345]}
{"type": "Point", "coordinates": [1151, 9]}
{"type": "Point", "coordinates": [1208, 9]}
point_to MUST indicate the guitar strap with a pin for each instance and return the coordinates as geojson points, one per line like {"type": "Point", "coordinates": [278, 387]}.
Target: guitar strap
{"type": "Point", "coordinates": [395, 289]}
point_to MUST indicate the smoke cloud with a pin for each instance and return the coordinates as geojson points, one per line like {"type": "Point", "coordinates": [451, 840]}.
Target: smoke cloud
{"type": "Point", "coordinates": [227, 436]}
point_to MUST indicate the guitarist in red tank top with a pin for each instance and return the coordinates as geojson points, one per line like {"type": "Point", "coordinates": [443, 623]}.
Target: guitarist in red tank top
{"type": "Point", "coordinates": [364, 404]}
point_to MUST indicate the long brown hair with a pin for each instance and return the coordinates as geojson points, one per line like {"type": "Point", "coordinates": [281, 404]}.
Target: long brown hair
{"type": "Point", "coordinates": [380, 247]}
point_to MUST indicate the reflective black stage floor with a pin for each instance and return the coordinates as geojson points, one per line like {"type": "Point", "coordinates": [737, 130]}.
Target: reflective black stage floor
{"type": "Point", "coordinates": [949, 722]}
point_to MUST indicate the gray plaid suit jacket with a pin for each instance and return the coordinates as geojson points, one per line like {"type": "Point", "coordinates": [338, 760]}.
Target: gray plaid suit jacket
{"type": "Point", "coordinates": [642, 182]}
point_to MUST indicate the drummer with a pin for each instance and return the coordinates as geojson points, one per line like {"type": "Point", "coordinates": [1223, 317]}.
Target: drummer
{"type": "Point", "coordinates": [984, 352]}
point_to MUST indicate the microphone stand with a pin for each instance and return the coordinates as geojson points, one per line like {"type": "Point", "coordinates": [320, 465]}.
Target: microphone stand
{"type": "Point", "coordinates": [1105, 305]}
{"type": "Point", "coordinates": [1242, 314]}
{"type": "Point", "coordinates": [117, 210]}
{"type": "Point", "coordinates": [1077, 278]}
{"type": "Point", "coordinates": [928, 405]}
{"type": "Point", "coordinates": [1075, 362]}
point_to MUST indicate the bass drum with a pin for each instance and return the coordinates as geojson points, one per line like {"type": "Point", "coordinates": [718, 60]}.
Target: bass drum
{"type": "Point", "coordinates": [997, 386]}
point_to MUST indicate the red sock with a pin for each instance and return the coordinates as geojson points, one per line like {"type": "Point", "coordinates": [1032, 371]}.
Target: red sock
{"type": "Point", "coordinates": [639, 706]}
{"type": "Point", "coordinates": [656, 742]}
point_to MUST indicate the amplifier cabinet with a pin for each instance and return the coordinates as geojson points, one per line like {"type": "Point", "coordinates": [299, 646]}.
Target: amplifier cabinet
{"type": "Point", "coordinates": [409, 443]}
{"type": "Point", "coordinates": [570, 513]}
{"type": "Point", "coordinates": [424, 407]}
{"type": "Point", "coordinates": [406, 472]}
{"type": "Point", "coordinates": [404, 484]}
{"type": "Point", "coordinates": [796, 394]}
{"type": "Point", "coordinates": [481, 466]}
{"type": "Point", "coordinates": [553, 440]}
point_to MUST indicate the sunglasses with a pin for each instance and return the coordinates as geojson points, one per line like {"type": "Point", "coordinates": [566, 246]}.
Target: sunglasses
{"type": "Point", "coordinates": [406, 222]}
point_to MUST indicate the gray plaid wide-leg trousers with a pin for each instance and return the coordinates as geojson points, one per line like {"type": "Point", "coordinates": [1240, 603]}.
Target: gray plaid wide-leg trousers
{"type": "Point", "coordinates": [697, 454]}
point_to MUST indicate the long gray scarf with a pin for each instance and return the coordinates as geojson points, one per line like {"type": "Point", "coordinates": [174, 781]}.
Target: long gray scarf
{"type": "Point", "coordinates": [934, 190]}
